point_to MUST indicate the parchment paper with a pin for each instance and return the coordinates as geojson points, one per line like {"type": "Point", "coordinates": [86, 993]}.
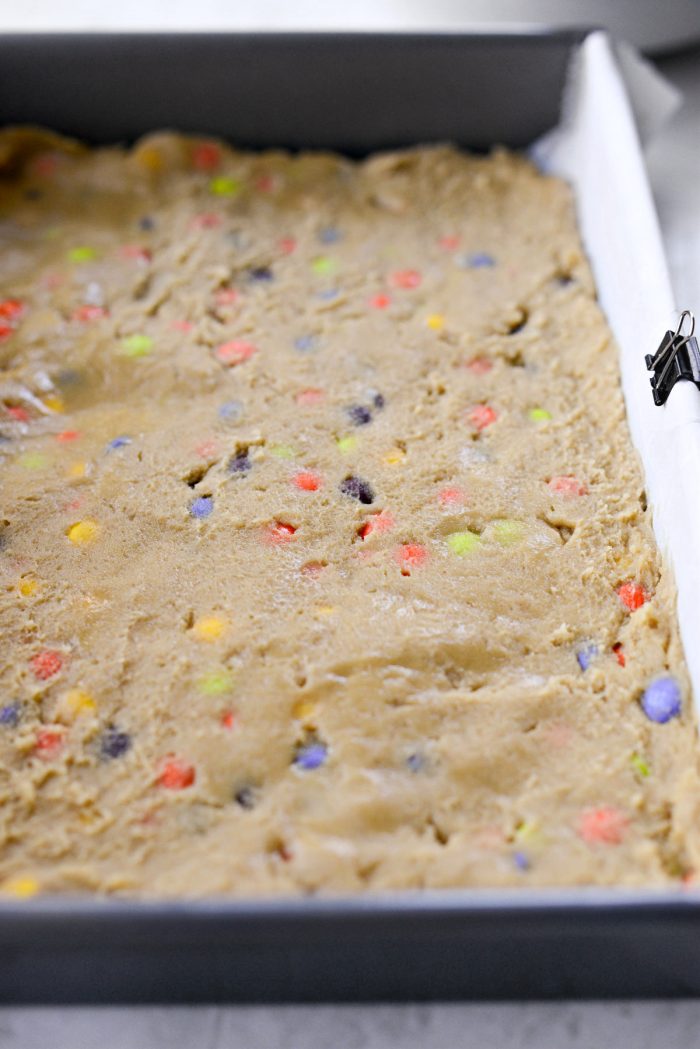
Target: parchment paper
{"type": "Point", "coordinates": [597, 149]}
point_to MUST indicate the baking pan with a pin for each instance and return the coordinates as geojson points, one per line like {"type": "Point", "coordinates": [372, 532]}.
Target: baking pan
{"type": "Point", "coordinates": [353, 92]}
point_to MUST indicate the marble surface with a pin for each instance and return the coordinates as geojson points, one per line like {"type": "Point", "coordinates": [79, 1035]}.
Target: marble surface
{"type": "Point", "coordinates": [674, 165]}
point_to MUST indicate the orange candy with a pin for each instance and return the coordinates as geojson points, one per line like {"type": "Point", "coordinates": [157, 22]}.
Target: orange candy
{"type": "Point", "coordinates": [632, 595]}
{"type": "Point", "coordinates": [568, 485]}
{"type": "Point", "coordinates": [235, 352]}
{"type": "Point", "coordinates": [278, 533]}
{"type": "Point", "coordinates": [481, 416]}
{"type": "Point", "coordinates": [176, 774]}
{"type": "Point", "coordinates": [307, 481]}
{"type": "Point", "coordinates": [605, 825]}
{"type": "Point", "coordinates": [411, 555]}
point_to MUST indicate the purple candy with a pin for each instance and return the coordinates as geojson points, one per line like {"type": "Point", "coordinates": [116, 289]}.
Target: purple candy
{"type": "Point", "coordinates": [329, 235]}
{"type": "Point", "coordinates": [521, 861]}
{"type": "Point", "coordinates": [231, 411]}
{"type": "Point", "coordinates": [202, 507]}
{"type": "Point", "coordinates": [118, 442]}
{"type": "Point", "coordinates": [9, 715]}
{"type": "Point", "coordinates": [305, 343]}
{"type": "Point", "coordinates": [311, 755]}
{"type": "Point", "coordinates": [662, 700]}
{"type": "Point", "coordinates": [586, 655]}
{"type": "Point", "coordinates": [480, 260]}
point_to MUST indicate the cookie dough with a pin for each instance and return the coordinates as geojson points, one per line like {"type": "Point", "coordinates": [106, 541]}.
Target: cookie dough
{"type": "Point", "coordinates": [326, 559]}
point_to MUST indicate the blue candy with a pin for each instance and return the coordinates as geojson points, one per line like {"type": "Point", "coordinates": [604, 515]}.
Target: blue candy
{"type": "Point", "coordinates": [118, 442]}
{"type": "Point", "coordinates": [586, 655]}
{"type": "Point", "coordinates": [9, 714]}
{"type": "Point", "coordinates": [305, 344]}
{"type": "Point", "coordinates": [329, 235]}
{"type": "Point", "coordinates": [202, 507]}
{"type": "Point", "coordinates": [311, 755]}
{"type": "Point", "coordinates": [662, 700]}
{"type": "Point", "coordinates": [231, 411]}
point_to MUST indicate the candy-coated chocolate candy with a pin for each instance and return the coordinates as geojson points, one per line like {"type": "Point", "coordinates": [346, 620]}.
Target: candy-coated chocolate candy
{"type": "Point", "coordinates": [632, 595]}
{"type": "Point", "coordinates": [311, 755]}
{"type": "Point", "coordinates": [114, 743]}
{"type": "Point", "coordinates": [586, 655]}
{"type": "Point", "coordinates": [568, 485]}
{"type": "Point", "coordinates": [462, 543]}
{"type": "Point", "coordinates": [234, 352]}
{"type": "Point", "coordinates": [202, 507]}
{"type": "Point", "coordinates": [358, 489]}
{"type": "Point", "coordinates": [83, 532]}
{"type": "Point", "coordinates": [176, 774]}
{"type": "Point", "coordinates": [307, 481]}
{"type": "Point", "coordinates": [605, 825]}
{"type": "Point", "coordinates": [662, 700]}
{"type": "Point", "coordinates": [481, 416]}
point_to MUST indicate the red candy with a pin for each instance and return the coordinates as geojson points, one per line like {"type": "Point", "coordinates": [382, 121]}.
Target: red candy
{"type": "Point", "coordinates": [48, 742]}
{"type": "Point", "coordinates": [136, 252]}
{"type": "Point", "coordinates": [568, 486]}
{"type": "Point", "coordinates": [451, 496]}
{"type": "Point", "coordinates": [313, 569]}
{"type": "Point", "coordinates": [46, 664]}
{"type": "Point", "coordinates": [206, 448]}
{"type": "Point", "coordinates": [206, 220]}
{"type": "Point", "coordinates": [605, 825]}
{"type": "Point", "coordinates": [279, 532]}
{"type": "Point", "coordinates": [68, 435]}
{"type": "Point", "coordinates": [619, 653]}
{"type": "Point", "coordinates": [265, 183]}
{"type": "Point", "coordinates": [11, 309]}
{"type": "Point", "coordinates": [379, 523]}
{"type": "Point", "coordinates": [176, 774]}
{"type": "Point", "coordinates": [411, 555]}
{"type": "Point", "coordinates": [481, 416]}
{"type": "Point", "coordinates": [380, 302]}
{"type": "Point", "coordinates": [235, 352]}
{"type": "Point", "coordinates": [406, 279]}
{"type": "Point", "coordinates": [5, 330]}
{"type": "Point", "coordinates": [479, 365]}
{"type": "Point", "coordinates": [226, 296]}
{"type": "Point", "coordinates": [307, 481]}
{"type": "Point", "coordinates": [287, 245]}
{"type": "Point", "coordinates": [20, 415]}
{"type": "Point", "coordinates": [307, 398]}
{"type": "Point", "coordinates": [632, 595]}
{"type": "Point", "coordinates": [228, 719]}
{"type": "Point", "coordinates": [183, 326]}
{"type": "Point", "coordinates": [88, 313]}
{"type": "Point", "coordinates": [449, 242]}
{"type": "Point", "coordinates": [206, 156]}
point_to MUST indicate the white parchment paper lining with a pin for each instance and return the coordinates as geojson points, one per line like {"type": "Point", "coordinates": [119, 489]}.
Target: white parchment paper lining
{"type": "Point", "coordinates": [597, 149]}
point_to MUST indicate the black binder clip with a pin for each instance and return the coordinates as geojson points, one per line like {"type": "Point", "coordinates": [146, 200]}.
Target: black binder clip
{"type": "Point", "coordinates": [678, 357]}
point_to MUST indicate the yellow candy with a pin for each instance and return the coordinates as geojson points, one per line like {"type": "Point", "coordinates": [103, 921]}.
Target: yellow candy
{"type": "Point", "coordinates": [435, 321]}
{"type": "Point", "coordinates": [394, 457]}
{"type": "Point", "coordinates": [82, 254]}
{"type": "Point", "coordinates": [507, 532]}
{"type": "Point", "coordinates": [209, 628]}
{"type": "Point", "coordinates": [221, 186]}
{"type": "Point", "coordinates": [462, 543]}
{"type": "Point", "coordinates": [83, 532]}
{"type": "Point", "coordinates": [33, 460]}
{"type": "Point", "coordinates": [76, 702]}
{"type": "Point", "coordinates": [324, 610]}
{"type": "Point", "coordinates": [27, 587]}
{"type": "Point", "coordinates": [346, 444]}
{"type": "Point", "coordinates": [54, 403]}
{"type": "Point", "coordinates": [282, 451]}
{"type": "Point", "coordinates": [76, 469]}
{"type": "Point", "coordinates": [323, 265]}
{"type": "Point", "coordinates": [22, 886]}
{"type": "Point", "coordinates": [539, 415]}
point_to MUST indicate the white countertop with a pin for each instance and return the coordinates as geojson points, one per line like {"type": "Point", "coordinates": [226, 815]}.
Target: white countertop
{"type": "Point", "coordinates": [674, 164]}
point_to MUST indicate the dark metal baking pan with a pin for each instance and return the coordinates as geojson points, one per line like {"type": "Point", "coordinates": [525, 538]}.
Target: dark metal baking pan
{"type": "Point", "coordinates": [354, 92]}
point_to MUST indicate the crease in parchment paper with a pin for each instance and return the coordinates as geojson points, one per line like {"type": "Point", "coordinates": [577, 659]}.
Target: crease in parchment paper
{"type": "Point", "coordinates": [596, 147]}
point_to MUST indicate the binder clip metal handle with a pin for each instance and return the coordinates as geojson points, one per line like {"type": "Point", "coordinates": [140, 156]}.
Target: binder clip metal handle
{"type": "Point", "coordinates": [678, 357]}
